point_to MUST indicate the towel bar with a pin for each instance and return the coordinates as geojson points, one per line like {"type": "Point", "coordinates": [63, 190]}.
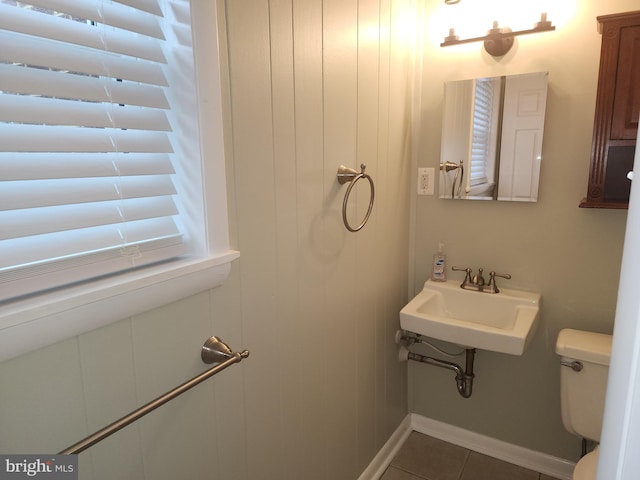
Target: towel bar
{"type": "Point", "coordinates": [212, 351]}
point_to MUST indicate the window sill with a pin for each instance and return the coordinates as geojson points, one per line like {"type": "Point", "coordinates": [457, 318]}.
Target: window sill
{"type": "Point", "coordinates": [34, 323]}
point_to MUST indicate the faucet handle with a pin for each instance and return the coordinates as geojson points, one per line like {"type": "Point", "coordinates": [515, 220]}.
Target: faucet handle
{"type": "Point", "coordinates": [467, 278]}
{"type": "Point", "coordinates": [493, 288]}
{"type": "Point", "coordinates": [492, 275]}
{"type": "Point", "coordinates": [458, 269]}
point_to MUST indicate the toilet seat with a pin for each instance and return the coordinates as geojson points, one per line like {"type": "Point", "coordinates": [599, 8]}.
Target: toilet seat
{"type": "Point", "coordinates": [586, 467]}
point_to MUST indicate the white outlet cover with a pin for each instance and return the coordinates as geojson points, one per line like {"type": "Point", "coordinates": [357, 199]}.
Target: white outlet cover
{"type": "Point", "coordinates": [426, 179]}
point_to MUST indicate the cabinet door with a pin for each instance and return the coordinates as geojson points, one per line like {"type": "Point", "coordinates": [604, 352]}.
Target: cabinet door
{"type": "Point", "coordinates": [626, 107]}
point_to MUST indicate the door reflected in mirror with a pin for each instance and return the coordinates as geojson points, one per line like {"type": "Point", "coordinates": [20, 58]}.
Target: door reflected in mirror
{"type": "Point", "coordinates": [492, 132]}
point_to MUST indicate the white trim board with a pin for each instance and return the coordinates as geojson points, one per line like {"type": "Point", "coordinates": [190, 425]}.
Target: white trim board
{"type": "Point", "coordinates": [523, 457]}
{"type": "Point", "coordinates": [383, 458]}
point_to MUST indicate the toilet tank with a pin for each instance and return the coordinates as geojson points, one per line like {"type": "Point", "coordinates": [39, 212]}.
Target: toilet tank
{"type": "Point", "coordinates": [582, 393]}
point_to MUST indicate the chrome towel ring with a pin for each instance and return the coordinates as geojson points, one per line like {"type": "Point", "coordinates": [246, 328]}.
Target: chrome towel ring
{"type": "Point", "coordinates": [346, 174]}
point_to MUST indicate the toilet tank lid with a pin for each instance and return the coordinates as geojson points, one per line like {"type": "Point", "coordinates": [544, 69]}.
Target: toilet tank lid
{"type": "Point", "coordinates": [588, 346]}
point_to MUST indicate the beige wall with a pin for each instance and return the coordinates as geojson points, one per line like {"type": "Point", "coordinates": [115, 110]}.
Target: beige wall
{"type": "Point", "coordinates": [570, 255]}
{"type": "Point", "coordinates": [307, 88]}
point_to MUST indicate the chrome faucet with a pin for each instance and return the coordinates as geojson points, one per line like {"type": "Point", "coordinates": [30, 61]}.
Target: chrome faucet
{"type": "Point", "coordinates": [477, 282]}
{"type": "Point", "coordinates": [468, 282]}
{"type": "Point", "coordinates": [478, 279]}
{"type": "Point", "coordinates": [492, 287]}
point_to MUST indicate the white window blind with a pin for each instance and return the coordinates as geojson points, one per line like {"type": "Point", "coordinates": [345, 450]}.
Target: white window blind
{"type": "Point", "coordinates": [88, 183]}
{"type": "Point", "coordinates": [481, 137]}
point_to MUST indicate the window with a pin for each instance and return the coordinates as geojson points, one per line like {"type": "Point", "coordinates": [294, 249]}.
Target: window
{"type": "Point", "coordinates": [103, 186]}
{"type": "Point", "coordinates": [483, 121]}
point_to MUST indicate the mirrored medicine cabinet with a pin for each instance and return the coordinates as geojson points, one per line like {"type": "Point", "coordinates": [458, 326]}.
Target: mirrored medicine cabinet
{"type": "Point", "coordinates": [492, 131]}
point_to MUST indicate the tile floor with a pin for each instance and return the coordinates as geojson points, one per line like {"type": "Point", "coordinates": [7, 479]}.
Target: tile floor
{"type": "Point", "coordinates": [427, 458]}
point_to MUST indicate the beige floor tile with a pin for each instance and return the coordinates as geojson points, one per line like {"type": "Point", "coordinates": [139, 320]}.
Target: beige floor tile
{"type": "Point", "coordinates": [431, 458]}
{"type": "Point", "coordinates": [482, 467]}
{"type": "Point", "coordinates": [393, 473]}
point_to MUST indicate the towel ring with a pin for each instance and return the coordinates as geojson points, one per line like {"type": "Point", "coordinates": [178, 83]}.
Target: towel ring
{"type": "Point", "coordinates": [346, 174]}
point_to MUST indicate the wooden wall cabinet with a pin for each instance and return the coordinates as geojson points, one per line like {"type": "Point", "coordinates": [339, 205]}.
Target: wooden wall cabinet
{"type": "Point", "coordinates": [617, 110]}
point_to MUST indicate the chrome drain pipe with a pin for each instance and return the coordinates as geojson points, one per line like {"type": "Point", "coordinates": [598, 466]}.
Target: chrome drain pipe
{"type": "Point", "coordinates": [467, 382]}
{"type": "Point", "coordinates": [464, 378]}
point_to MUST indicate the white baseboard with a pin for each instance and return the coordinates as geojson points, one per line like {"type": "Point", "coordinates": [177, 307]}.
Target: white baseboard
{"type": "Point", "coordinates": [523, 457]}
{"type": "Point", "coordinates": [383, 458]}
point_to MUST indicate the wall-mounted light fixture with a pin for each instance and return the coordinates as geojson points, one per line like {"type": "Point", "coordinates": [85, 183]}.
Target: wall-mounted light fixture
{"type": "Point", "coordinates": [499, 40]}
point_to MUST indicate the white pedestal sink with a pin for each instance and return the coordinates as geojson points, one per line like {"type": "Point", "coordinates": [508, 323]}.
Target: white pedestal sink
{"type": "Point", "coordinates": [503, 322]}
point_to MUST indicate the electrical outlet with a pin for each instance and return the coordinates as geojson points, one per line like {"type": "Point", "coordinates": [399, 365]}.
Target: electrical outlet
{"type": "Point", "coordinates": [425, 181]}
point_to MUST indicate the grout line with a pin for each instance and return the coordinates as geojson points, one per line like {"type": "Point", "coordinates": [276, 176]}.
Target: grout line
{"type": "Point", "coordinates": [464, 464]}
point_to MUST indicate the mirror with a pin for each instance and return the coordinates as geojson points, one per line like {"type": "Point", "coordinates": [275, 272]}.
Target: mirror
{"type": "Point", "coordinates": [492, 138]}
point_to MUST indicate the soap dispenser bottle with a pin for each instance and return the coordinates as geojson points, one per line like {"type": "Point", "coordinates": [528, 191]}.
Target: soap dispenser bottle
{"type": "Point", "coordinates": [439, 273]}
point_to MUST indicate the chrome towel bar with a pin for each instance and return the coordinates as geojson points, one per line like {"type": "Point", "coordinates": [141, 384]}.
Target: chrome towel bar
{"type": "Point", "coordinates": [213, 351]}
{"type": "Point", "coordinates": [346, 174]}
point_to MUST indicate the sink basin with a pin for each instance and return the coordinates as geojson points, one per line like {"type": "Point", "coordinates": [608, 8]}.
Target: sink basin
{"type": "Point", "coordinates": [502, 322]}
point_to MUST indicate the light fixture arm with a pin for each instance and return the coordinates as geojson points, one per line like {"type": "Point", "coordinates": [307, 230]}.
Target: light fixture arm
{"type": "Point", "coordinates": [499, 40]}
